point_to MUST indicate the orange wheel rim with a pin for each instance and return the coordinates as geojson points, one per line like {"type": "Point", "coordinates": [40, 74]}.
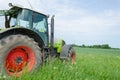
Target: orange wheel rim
{"type": "Point", "coordinates": [17, 59]}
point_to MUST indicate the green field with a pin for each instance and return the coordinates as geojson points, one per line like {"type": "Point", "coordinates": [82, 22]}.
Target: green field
{"type": "Point", "coordinates": [92, 64]}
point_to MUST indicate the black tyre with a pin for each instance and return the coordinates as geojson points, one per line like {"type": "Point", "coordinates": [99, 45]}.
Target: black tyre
{"type": "Point", "coordinates": [68, 53]}
{"type": "Point", "coordinates": [18, 54]}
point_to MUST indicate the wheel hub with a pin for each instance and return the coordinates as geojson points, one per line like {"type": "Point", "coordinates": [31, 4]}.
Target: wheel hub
{"type": "Point", "coordinates": [18, 60]}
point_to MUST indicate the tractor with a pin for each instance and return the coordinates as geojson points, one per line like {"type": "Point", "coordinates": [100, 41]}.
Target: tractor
{"type": "Point", "coordinates": [27, 40]}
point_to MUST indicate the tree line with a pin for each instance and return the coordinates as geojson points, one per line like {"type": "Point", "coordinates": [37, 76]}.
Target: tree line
{"type": "Point", "coordinates": [103, 46]}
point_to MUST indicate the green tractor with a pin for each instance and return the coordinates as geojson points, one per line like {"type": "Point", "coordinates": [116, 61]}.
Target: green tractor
{"type": "Point", "coordinates": [25, 43]}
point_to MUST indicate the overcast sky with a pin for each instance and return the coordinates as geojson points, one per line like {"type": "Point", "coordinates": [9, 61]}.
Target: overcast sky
{"type": "Point", "coordinates": [86, 22]}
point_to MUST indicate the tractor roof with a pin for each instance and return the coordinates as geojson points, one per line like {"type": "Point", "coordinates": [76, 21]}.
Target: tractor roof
{"type": "Point", "coordinates": [15, 8]}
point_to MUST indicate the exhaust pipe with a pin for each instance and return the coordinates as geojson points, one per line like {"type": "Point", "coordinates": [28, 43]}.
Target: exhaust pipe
{"type": "Point", "coordinates": [52, 32]}
{"type": "Point", "coordinates": [52, 51]}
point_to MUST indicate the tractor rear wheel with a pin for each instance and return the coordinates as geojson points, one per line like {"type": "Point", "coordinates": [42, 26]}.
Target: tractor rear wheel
{"type": "Point", "coordinates": [19, 54]}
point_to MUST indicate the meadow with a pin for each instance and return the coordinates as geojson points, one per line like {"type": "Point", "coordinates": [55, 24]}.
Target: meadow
{"type": "Point", "coordinates": [91, 64]}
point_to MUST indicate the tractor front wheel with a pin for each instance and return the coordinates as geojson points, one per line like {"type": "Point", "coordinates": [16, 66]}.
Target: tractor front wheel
{"type": "Point", "coordinates": [18, 54]}
{"type": "Point", "coordinates": [68, 53]}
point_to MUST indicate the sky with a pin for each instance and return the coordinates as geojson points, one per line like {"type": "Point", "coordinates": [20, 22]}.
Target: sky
{"type": "Point", "coordinates": [80, 22]}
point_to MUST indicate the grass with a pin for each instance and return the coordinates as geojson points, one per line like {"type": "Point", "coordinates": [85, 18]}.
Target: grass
{"type": "Point", "coordinates": [92, 64]}
{"type": "Point", "coordinates": [99, 64]}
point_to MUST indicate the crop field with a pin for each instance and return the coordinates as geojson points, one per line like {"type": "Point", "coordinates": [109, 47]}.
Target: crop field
{"type": "Point", "coordinates": [91, 64]}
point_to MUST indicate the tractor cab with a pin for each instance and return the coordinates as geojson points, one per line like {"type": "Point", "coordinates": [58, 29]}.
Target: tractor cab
{"type": "Point", "coordinates": [19, 17]}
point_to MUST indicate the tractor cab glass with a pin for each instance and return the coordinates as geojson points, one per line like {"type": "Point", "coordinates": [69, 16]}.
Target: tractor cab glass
{"type": "Point", "coordinates": [23, 19]}
{"type": "Point", "coordinates": [32, 20]}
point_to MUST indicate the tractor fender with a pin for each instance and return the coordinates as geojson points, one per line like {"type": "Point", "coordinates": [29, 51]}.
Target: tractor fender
{"type": "Point", "coordinates": [23, 31]}
{"type": "Point", "coordinates": [65, 52]}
